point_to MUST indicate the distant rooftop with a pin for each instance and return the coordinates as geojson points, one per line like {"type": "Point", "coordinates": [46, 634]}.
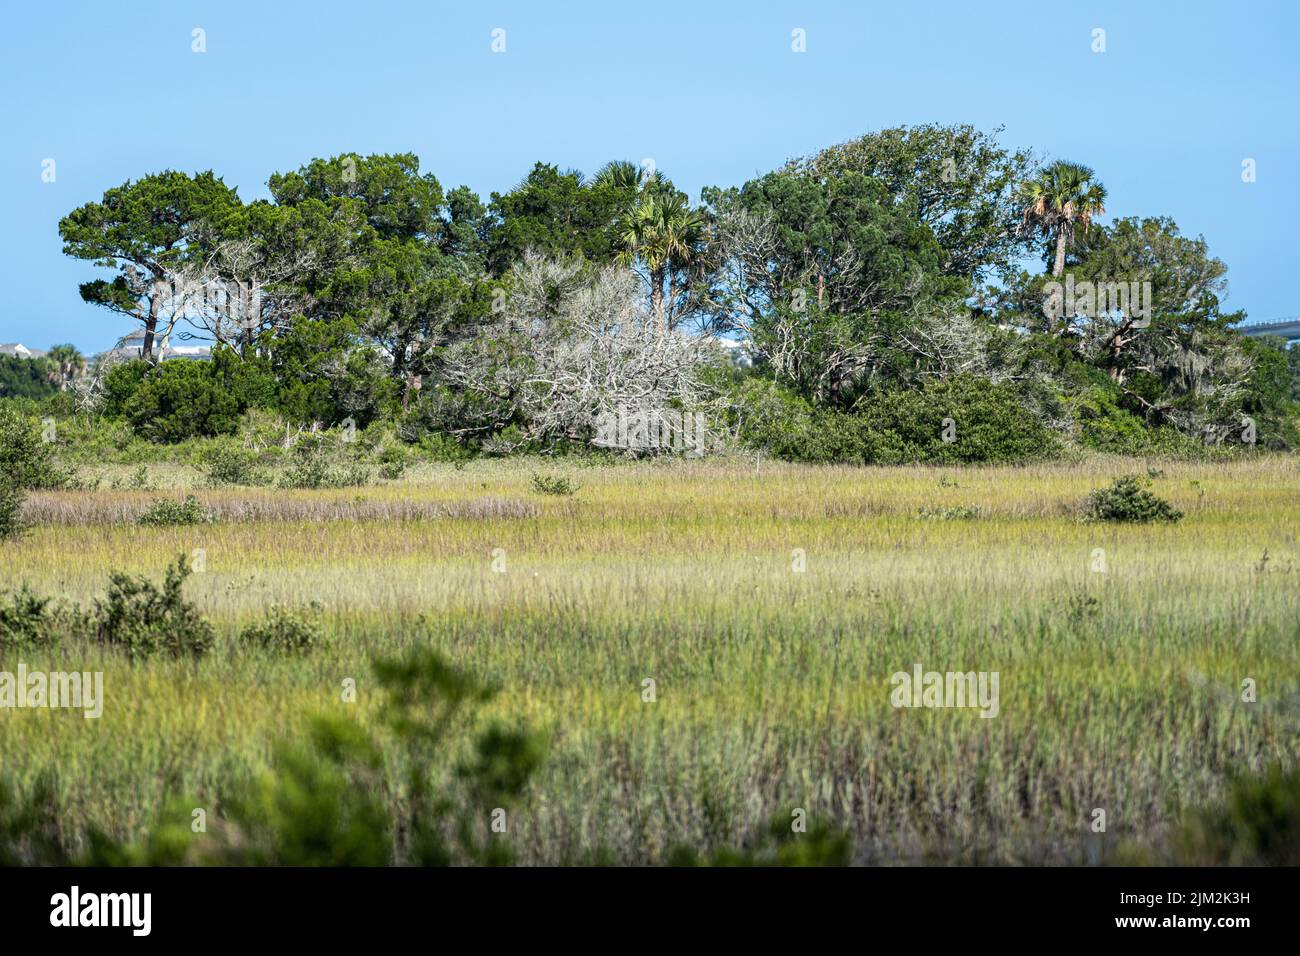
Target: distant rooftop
{"type": "Point", "coordinates": [20, 350]}
{"type": "Point", "coordinates": [131, 346]}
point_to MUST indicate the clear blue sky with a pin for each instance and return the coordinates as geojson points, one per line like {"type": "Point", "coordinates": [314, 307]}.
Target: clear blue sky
{"type": "Point", "coordinates": [711, 91]}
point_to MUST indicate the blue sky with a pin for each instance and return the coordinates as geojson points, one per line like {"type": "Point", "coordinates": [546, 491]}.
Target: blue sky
{"type": "Point", "coordinates": [711, 91]}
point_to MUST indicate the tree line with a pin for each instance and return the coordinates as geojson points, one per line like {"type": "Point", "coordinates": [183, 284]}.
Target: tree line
{"type": "Point", "coordinates": [885, 290]}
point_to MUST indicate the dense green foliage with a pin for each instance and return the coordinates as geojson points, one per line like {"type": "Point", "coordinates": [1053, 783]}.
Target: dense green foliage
{"type": "Point", "coordinates": [876, 285]}
{"type": "Point", "coordinates": [283, 630]}
{"type": "Point", "coordinates": [165, 511]}
{"type": "Point", "coordinates": [143, 619]}
{"type": "Point", "coordinates": [1126, 500]}
{"type": "Point", "coordinates": [25, 378]}
{"type": "Point", "coordinates": [962, 419]}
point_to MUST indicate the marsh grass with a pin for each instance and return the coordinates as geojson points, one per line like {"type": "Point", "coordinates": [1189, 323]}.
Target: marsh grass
{"type": "Point", "coordinates": [1119, 690]}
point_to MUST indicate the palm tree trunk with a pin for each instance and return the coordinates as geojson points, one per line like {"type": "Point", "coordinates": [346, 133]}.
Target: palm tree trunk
{"type": "Point", "coordinates": [1061, 239]}
{"type": "Point", "coordinates": [657, 299]}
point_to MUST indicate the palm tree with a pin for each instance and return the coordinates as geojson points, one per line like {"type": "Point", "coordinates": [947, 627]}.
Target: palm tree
{"type": "Point", "coordinates": [623, 175]}
{"type": "Point", "coordinates": [1061, 197]}
{"type": "Point", "coordinates": [66, 363]}
{"type": "Point", "coordinates": [658, 229]}
{"type": "Point", "coordinates": [663, 232]}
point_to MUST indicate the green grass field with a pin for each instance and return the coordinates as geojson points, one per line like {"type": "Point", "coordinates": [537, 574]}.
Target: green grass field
{"type": "Point", "coordinates": [1119, 690]}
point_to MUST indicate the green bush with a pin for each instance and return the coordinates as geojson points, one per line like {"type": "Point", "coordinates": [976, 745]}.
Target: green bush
{"type": "Point", "coordinates": [25, 621]}
{"type": "Point", "coordinates": [962, 419]}
{"type": "Point", "coordinates": [959, 419]}
{"type": "Point", "coordinates": [231, 465]}
{"type": "Point", "coordinates": [557, 485]}
{"type": "Point", "coordinates": [120, 383]}
{"type": "Point", "coordinates": [1126, 500]}
{"type": "Point", "coordinates": [11, 506]}
{"type": "Point", "coordinates": [283, 630]}
{"type": "Point", "coordinates": [311, 466]}
{"type": "Point", "coordinates": [1258, 824]}
{"type": "Point", "coordinates": [167, 512]}
{"type": "Point", "coordinates": [26, 458]}
{"type": "Point", "coordinates": [182, 399]}
{"type": "Point", "coordinates": [25, 378]}
{"type": "Point", "coordinates": [444, 448]}
{"type": "Point", "coordinates": [337, 800]}
{"type": "Point", "coordinates": [144, 619]}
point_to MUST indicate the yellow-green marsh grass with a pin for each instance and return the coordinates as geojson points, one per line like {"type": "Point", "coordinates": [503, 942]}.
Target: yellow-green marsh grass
{"type": "Point", "coordinates": [1119, 689]}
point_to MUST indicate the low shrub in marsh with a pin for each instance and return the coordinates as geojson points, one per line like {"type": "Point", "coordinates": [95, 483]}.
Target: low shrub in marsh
{"type": "Point", "coordinates": [1256, 823]}
{"type": "Point", "coordinates": [26, 620]}
{"type": "Point", "coordinates": [317, 474]}
{"type": "Point", "coordinates": [227, 465]}
{"type": "Point", "coordinates": [11, 506]}
{"type": "Point", "coordinates": [1126, 500]}
{"type": "Point", "coordinates": [26, 458]}
{"type": "Point", "coordinates": [167, 512]}
{"type": "Point", "coordinates": [558, 485]}
{"type": "Point", "coordinates": [311, 467]}
{"type": "Point", "coordinates": [144, 619]}
{"type": "Point", "coordinates": [283, 630]}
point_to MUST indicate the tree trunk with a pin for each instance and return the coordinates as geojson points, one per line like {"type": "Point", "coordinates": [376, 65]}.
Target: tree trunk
{"type": "Point", "coordinates": [657, 299]}
{"type": "Point", "coordinates": [1061, 237]}
{"type": "Point", "coordinates": [151, 323]}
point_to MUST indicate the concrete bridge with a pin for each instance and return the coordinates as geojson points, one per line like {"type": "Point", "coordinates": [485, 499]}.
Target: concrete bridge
{"type": "Point", "coordinates": [1288, 329]}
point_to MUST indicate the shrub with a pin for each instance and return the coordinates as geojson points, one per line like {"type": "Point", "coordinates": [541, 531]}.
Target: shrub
{"type": "Point", "coordinates": [328, 802]}
{"type": "Point", "coordinates": [781, 423]}
{"type": "Point", "coordinates": [283, 630]}
{"type": "Point", "coordinates": [26, 458]}
{"type": "Point", "coordinates": [1126, 500]}
{"type": "Point", "coordinates": [558, 485]}
{"type": "Point", "coordinates": [167, 512]}
{"type": "Point", "coordinates": [1257, 825]}
{"type": "Point", "coordinates": [182, 399]}
{"type": "Point", "coordinates": [959, 419]}
{"type": "Point", "coordinates": [227, 465]}
{"type": "Point", "coordinates": [144, 619]}
{"type": "Point", "coordinates": [120, 383]}
{"type": "Point", "coordinates": [25, 621]}
{"type": "Point", "coordinates": [444, 448]}
{"type": "Point", "coordinates": [392, 470]}
{"type": "Point", "coordinates": [311, 467]}
{"type": "Point", "coordinates": [25, 378]}
{"type": "Point", "coordinates": [11, 505]}
{"type": "Point", "coordinates": [989, 423]}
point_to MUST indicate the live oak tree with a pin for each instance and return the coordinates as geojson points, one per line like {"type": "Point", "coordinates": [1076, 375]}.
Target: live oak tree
{"type": "Point", "coordinates": [558, 214]}
{"type": "Point", "coordinates": [148, 230]}
{"type": "Point", "coordinates": [956, 180]}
